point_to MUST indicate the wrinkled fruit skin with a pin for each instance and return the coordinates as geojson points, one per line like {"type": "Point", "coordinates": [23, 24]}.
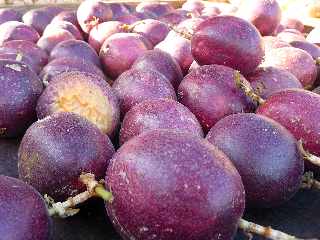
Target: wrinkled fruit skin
{"type": "Point", "coordinates": [56, 150]}
{"type": "Point", "coordinates": [24, 215]}
{"type": "Point", "coordinates": [229, 41]}
{"type": "Point", "coordinates": [171, 185]}
{"type": "Point", "coordinates": [158, 114]}
{"type": "Point", "coordinates": [211, 94]}
{"type": "Point", "coordinates": [272, 171]}
{"type": "Point", "coordinates": [19, 92]}
{"type": "Point", "coordinates": [298, 111]}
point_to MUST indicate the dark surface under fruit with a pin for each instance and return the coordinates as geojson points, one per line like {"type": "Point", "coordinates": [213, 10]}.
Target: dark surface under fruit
{"type": "Point", "coordinates": [300, 216]}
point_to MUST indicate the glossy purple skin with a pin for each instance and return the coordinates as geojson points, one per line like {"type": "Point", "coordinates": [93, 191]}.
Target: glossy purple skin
{"type": "Point", "coordinates": [296, 61]}
{"type": "Point", "coordinates": [137, 85]}
{"type": "Point", "coordinates": [264, 14]}
{"type": "Point", "coordinates": [175, 17]}
{"type": "Point", "coordinates": [56, 150]}
{"type": "Point", "coordinates": [38, 19]}
{"type": "Point", "coordinates": [65, 26]}
{"type": "Point", "coordinates": [229, 41]}
{"type": "Point", "coordinates": [190, 25]}
{"type": "Point", "coordinates": [53, 38]}
{"type": "Point", "coordinates": [269, 80]}
{"type": "Point", "coordinates": [156, 9]}
{"type": "Point", "coordinates": [67, 16]}
{"type": "Point", "coordinates": [24, 214]}
{"type": "Point", "coordinates": [19, 92]}
{"type": "Point", "coordinates": [292, 23]}
{"type": "Point", "coordinates": [154, 30]}
{"type": "Point", "coordinates": [9, 14]}
{"type": "Point", "coordinates": [27, 48]}
{"type": "Point", "coordinates": [76, 49]}
{"type": "Point", "coordinates": [193, 6]}
{"type": "Point", "coordinates": [91, 13]}
{"type": "Point", "coordinates": [272, 171]}
{"type": "Point", "coordinates": [313, 36]}
{"type": "Point", "coordinates": [133, 17]}
{"type": "Point", "coordinates": [298, 111]}
{"type": "Point", "coordinates": [118, 10]}
{"type": "Point", "coordinates": [119, 52]}
{"type": "Point", "coordinates": [53, 10]}
{"type": "Point", "coordinates": [161, 62]}
{"type": "Point", "coordinates": [21, 58]}
{"type": "Point", "coordinates": [158, 114]}
{"type": "Point", "coordinates": [310, 48]}
{"type": "Point", "coordinates": [211, 94]}
{"type": "Point", "coordinates": [61, 65]}
{"type": "Point", "coordinates": [179, 48]}
{"type": "Point", "coordinates": [101, 32]}
{"type": "Point", "coordinates": [271, 42]}
{"type": "Point", "coordinates": [14, 30]}
{"type": "Point", "coordinates": [290, 35]}
{"type": "Point", "coordinates": [173, 185]}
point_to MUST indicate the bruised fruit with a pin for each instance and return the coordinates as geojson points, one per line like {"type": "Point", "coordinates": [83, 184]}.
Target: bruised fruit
{"type": "Point", "coordinates": [268, 80]}
{"type": "Point", "coordinates": [19, 92]}
{"type": "Point", "coordinates": [65, 26]}
{"type": "Point", "coordinates": [229, 41]}
{"type": "Point", "coordinates": [69, 64]}
{"type": "Point", "coordinates": [119, 51]}
{"type": "Point", "coordinates": [9, 14]}
{"type": "Point", "coordinates": [161, 62]}
{"type": "Point", "coordinates": [92, 12]}
{"type": "Point", "coordinates": [211, 94]}
{"type": "Point", "coordinates": [24, 214]}
{"type": "Point", "coordinates": [14, 30]}
{"type": "Point", "coordinates": [137, 85]}
{"type": "Point", "coordinates": [56, 150]}
{"type": "Point", "coordinates": [154, 8]}
{"type": "Point", "coordinates": [51, 39]}
{"type": "Point", "coordinates": [162, 175]}
{"type": "Point", "coordinates": [296, 61]}
{"type": "Point", "coordinates": [75, 49]}
{"type": "Point", "coordinates": [271, 173]}
{"type": "Point", "coordinates": [82, 93]}
{"type": "Point", "coordinates": [158, 114]}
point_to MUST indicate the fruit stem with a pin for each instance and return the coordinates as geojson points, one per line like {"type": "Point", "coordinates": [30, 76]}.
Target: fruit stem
{"type": "Point", "coordinates": [183, 34]}
{"type": "Point", "coordinates": [66, 208]}
{"type": "Point", "coordinates": [308, 156]}
{"type": "Point", "coordinates": [247, 89]}
{"type": "Point", "coordinates": [267, 232]}
{"type": "Point", "coordinates": [308, 181]}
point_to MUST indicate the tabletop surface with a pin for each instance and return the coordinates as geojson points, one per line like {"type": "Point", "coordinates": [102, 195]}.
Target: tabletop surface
{"type": "Point", "coordinates": [300, 216]}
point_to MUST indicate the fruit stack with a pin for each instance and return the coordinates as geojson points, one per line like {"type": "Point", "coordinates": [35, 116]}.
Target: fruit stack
{"type": "Point", "coordinates": [179, 119]}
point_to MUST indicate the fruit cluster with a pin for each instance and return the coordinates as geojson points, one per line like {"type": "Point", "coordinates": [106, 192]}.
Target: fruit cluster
{"type": "Point", "coordinates": [189, 116]}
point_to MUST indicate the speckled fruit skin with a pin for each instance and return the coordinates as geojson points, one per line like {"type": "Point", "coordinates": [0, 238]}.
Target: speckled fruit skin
{"type": "Point", "coordinates": [30, 49]}
{"type": "Point", "coordinates": [179, 48]}
{"type": "Point", "coordinates": [272, 170]}
{"type": "Point", "coordinates": [296, 61]}
{"type": "Point", "coordinates": [175, 17]}
{"type": "Point", "coordinates": [229, 41]}
{"type": "Point", "coordinates": [61, 65]}
{"type": "Point", "coordinates": [298, 111]}
{"type": "Point", "coordinates": [156, 9]}
{"type": "Point", "coordinates": [154, 30]}
{"type": "Point", "coordinates": [137, 85]}
{"type": "Point", "coordinates": [71, 80]}
{"type": "Point", "coordinates": [38, 19]}
{"type": "Point", "coordinates": [51, 39]}
{"type": "Point", "coordinates": [118, 10]}
{"type": "Point", "coordinates": [68, 16]}
{"type": "Point", "coordinates": [158, 114]}
{"type": "Point", "coordinates": [271, 42]}
{"type": "Point", "coordinates": [210, 93]}
{"type": "Point", "coordinates": [171, 185]}
{"type": "Point", "coordinates": [21, 58]}
{"type": "Point", "coordinates": [190, 25]}
{"type": "Point", "coordinates": [24, 215]}
{"type": "Point", "coordinates": [14, 30]}
{"type": "Point", "coordinates": [68, 26]}
{"type": "Point", "coordinates": [76, 49]}
{"type": "Point", "coordinates": [19, 92]}
{"type": "Point", "coordinates": [9, 14]}
{"type": "Point", "coordinates": [161, 62]}
{"type": "Point", "coordinates": [56, 150]}
{"type": "Point", "coordinates": [91, 13]}
{"type": "Point", "coordinates": [120, 50]}
{"type": "Point", "coordinates": [310, 48]}
{"type": "Point", "coordinates": [313, 36]}
{"type": "Point", "coordinates": [264, 14]}
{"type": "Point", "coordinates": [101, 32]}
{"type": "Point", "coordinates": [269, 80]}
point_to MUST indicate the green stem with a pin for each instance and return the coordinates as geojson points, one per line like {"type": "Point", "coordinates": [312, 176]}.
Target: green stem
{"type": "Point", "coordinates": [103, 193]}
